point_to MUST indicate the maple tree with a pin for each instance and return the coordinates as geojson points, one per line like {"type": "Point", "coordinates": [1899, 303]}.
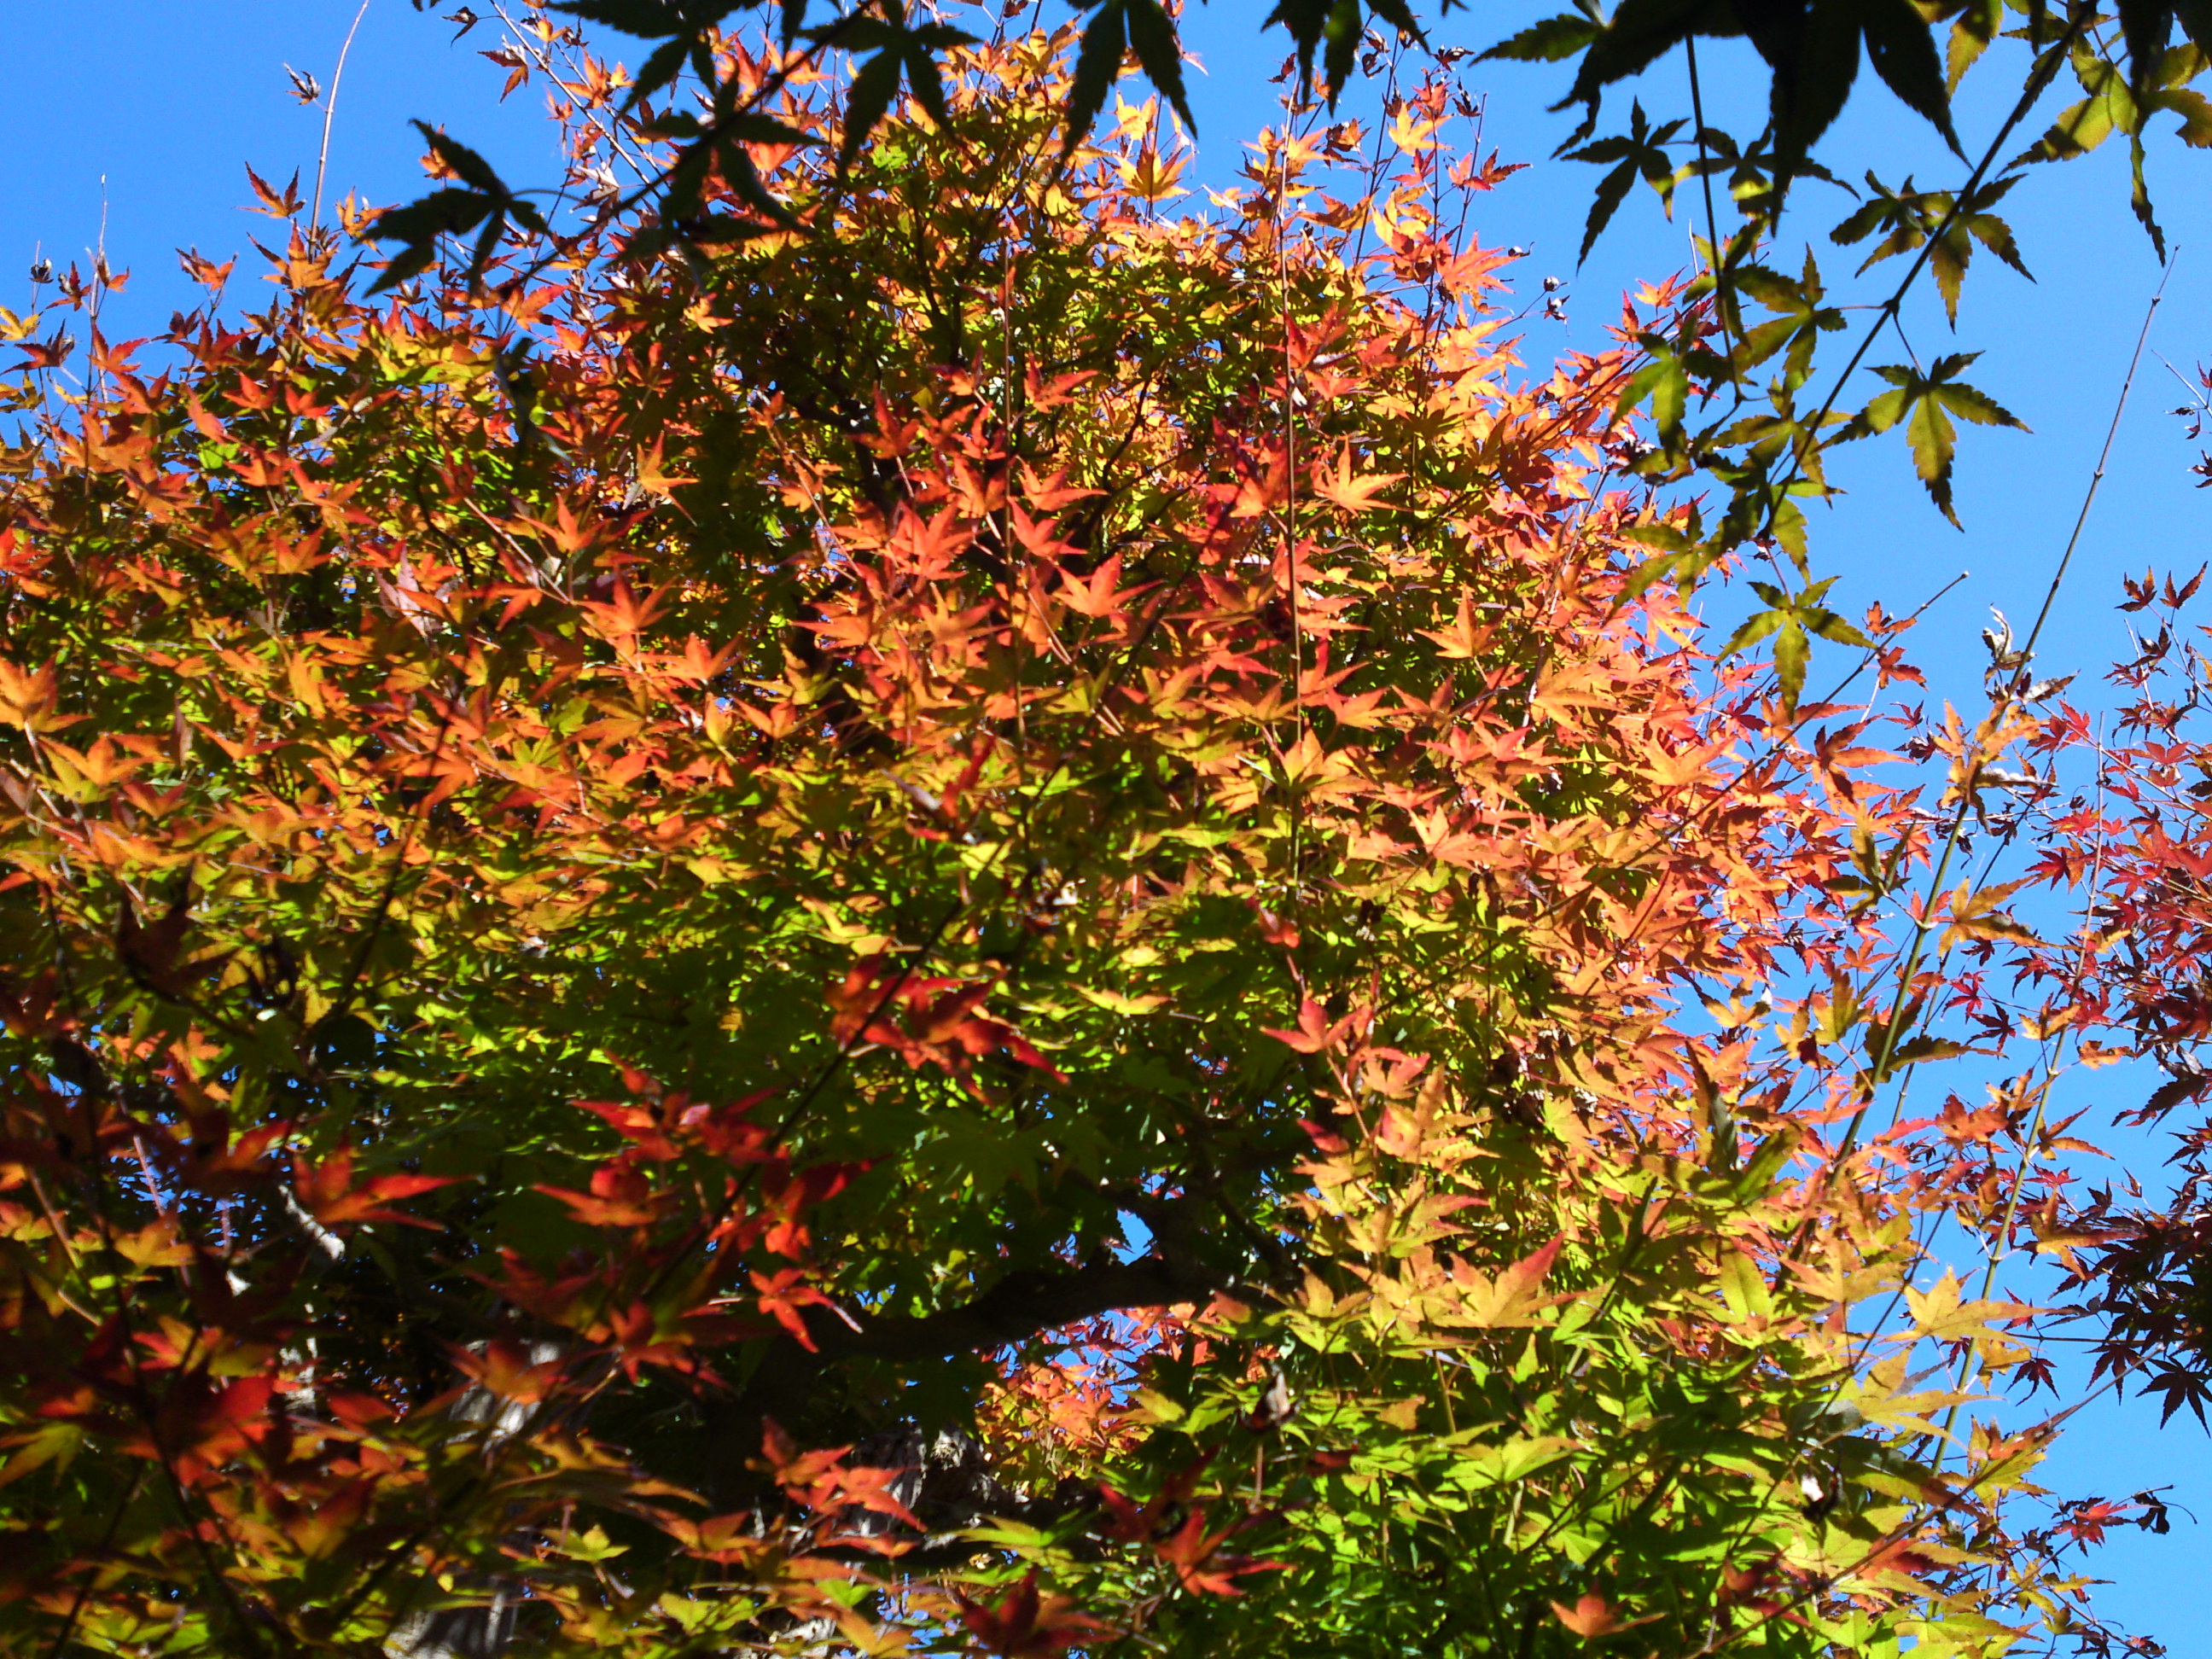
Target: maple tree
{"type": "Point", "coordinates": [989, 918]}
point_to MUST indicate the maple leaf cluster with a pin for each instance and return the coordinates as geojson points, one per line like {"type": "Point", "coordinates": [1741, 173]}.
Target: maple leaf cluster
{"type": "Point", "coordinates": [988, 920]}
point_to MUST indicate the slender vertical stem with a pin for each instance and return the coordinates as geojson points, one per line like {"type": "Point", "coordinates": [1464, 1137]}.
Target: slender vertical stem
{"type": "Point", "coordinates": [1705, 178]}
{"type": "Point", "coordinates": [329, 113]}
{"type": "Point", "coordinates": [2104, 455]}
{"type": "Point", "coordinates": [1290, 494]}
{"type": "Point", "coordinates": [95, 377]}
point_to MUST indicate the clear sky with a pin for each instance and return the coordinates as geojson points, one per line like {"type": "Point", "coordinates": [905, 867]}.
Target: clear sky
{"type": "Point", "coordinates": [168, 102]}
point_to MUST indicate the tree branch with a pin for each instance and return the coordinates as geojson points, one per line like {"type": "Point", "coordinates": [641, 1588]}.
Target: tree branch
{"type": "Point", "coordinates": [1020, 1306]}
{"type": "Point", "coordinates": [1024, 1305]}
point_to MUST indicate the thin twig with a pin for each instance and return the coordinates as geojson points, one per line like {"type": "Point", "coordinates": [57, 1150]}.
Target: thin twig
{"type": "Point", "coordinates": [329, 112]}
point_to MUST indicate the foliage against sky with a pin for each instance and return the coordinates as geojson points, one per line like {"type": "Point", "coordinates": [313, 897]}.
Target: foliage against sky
{"type": "Point", "coordinates": [990, 918]}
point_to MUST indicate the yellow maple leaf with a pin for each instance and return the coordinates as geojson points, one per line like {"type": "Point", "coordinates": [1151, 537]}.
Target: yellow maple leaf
{"type": "Point", "coordinates": [650, 477]}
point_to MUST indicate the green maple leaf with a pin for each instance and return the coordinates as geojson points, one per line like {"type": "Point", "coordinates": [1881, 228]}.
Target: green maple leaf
{"type": "Point", "coordinates": [2107, 107]}
{"type": "Point", "coordinates": [1800, 320]}
{"type": "Point", "coordinates": [1925, 404]}
{"type": "Point", "coordinates": [1793, 622]}
{"type": "Point", "coordinates": [1664, 378]}
{"type": "Point", "coordinates": [1911, 218]}
{"type": "Point", "coordinates": [1749, 169]}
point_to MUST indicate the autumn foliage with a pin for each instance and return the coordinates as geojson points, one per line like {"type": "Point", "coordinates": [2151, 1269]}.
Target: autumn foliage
{"type": "Point", "coordinates": [985, 915]}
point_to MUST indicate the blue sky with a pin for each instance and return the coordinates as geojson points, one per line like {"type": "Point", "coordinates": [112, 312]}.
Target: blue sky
{"type": "Point", "coordinates": [169, 102]}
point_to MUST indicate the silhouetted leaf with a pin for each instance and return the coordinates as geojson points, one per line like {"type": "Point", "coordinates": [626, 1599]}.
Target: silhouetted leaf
{"type": "Point", "coordinates": [899, 52]}
{"type": "Point", "coordinates": [471, 167]}
{"type": "Point", "coordinates": [1159, 52]}
{"type": "Point", "coordinates": [1903, 53]}
{"type": "Point", "coordinates": [1332, 27]}
{"type": "Point", "coordinates": [1097, 66]}
{"type": "Point", "coordinates": [716, 228]}
{"type": "Point", "coordinates": [1811, 50]}
{"type": "Point", "coordinates": [1639, 153]}
{"type": "Point", "coordinates": [1399, 16]}
{"type": "Point", "coordinates": [2145, 26]}
{"type": "Point", "coordinates": [1814, 65]}
{"type": "Point", "coordinates": [875, 83]}
{"type": "Point", "coordinates": [1549, 41]}
{"type": "Point", "coordinates": [2195, 19]}
{"type": "Point", "coordinates": [662, 67]}
{"type": "Point", "coordinates": [1639, 33]}
{"type": "Point", "coordinates": [1115, 28]}
{"type": "Point", "coordinates": [453, 210]}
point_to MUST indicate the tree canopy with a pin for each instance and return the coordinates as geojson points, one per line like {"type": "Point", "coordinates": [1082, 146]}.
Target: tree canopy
{"type": "Point", "coordinates": [992, 919]}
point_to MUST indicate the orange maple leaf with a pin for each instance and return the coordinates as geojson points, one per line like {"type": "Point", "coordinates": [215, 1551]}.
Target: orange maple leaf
{"type": "Point", "coordinates": [1314, 1032]}
{"type": "Point", "coordinates": [1592, 1616]}
{"type": "Point", "coordinates": [1352, 494]}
